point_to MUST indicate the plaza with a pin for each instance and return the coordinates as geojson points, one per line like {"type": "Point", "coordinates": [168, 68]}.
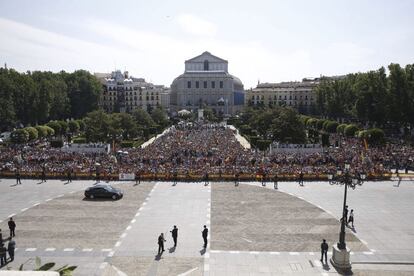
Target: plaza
{"type": "Point", "coordinates": [253, 230]}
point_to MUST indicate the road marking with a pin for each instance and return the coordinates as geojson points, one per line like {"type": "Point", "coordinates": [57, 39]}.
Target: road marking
{"type": "Point", "coordinates": [50, 249]}
{"type": "Point", "coordinates": [364, 242]}
{"type": "Point", "coordinates": [12, 215]}
{"type": "Point", "coordinates": [352, 253]}
{"type": "Point", "coordinates": [87, 250]}
{"type": "Point", "coordinates": [31, 249]}
{"type": "Point", "coordinates": [137, 214]}
{"type": "Point", "coordinates": [106, 250]}
{"type": "Point", "coordinates": [311, 253]}
{"type": "Point", "coordinates": [368, 253]}
{"type": "Point", "coordinates": [215, 251]}
{"type": "Point", "coordinates": [234, 252]}
{"type": "Point", "coordinates": [274, 253]}
{"type": "Point", "coordinates": [147, 199]}
{"type": "Point", "coordinates": [133, 221]}
{"type": "Point", "coordinates": [36, 204]}
{"type": "Point", "coordinates": [144, 203]}
{"type": "Point", "coordinates": [293, 253]}
{"type": "Point", "coordinates": [22, 210]}
{"type": "Point", "coordinates": [246, 240]}
{"type": "Point", "coordinates": [49, 199]}
{"type": "Point", "coordinates": [111, 254]}
{"type": "Point", "coordinates": [254, 252]}
{"type": "Point", "coordinates": [123, 235]}
{"type": "Point", "coordinates": [59, 196]}
{"type": "Point", "coordinates": [129, 227]}
{"type": "Point", "coordinates": [117, 244]}
{"type": "Point", "coordinates": [208, 215]}
{"type": "Point", "coordinates": [120, 273]}
{"type": "Point", "coordinates": [324, 274]}
{"type": "Point", "coordinates": [188, 272]}
{"type": "Point", "coordinates": [68, 249]}
{"type": "Point", "coordinates": [206, 255]}
{"type": "Point", "coordinates": [72, 192]}
{"type": "Point", "coordinates": [206, 267]}
{"type": "Point", "coordinates": [373, 250]}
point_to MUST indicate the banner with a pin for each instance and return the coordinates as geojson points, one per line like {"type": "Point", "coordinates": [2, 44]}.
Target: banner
{"type": "Point", "coordinates": [127, 176]}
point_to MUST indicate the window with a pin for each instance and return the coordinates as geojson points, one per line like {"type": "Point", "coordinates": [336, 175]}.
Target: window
{"type": "Point", "coordinates": [205, 84]}
{"type": "Point", "coordinates": [206, 65]}
{"type": "Point", "coordinates": [188, 84]}
{"type": "Point", "coordinates": [221, 84]}
{"type": "Point", "coordinates": [280, 97]}
{"type": "Point", "coordinates": [306, 97]}
{"type": "Point", "coordinates": [197, 84]}
{"type": "Point", "coordinates": [213, 84]}
{"type": "Point", "coordinates": [285, 97]}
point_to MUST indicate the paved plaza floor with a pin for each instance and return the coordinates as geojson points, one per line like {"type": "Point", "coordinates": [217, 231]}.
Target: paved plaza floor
{"type": "Point", "coordinates": [254, 230]}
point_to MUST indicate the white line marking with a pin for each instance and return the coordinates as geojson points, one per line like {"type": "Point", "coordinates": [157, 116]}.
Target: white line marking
{"type": "Point", "coordinates": [106, 250]}
{"type": "Point", "coordinates": [68, 249]}
{"type": "Point", "coordinates": [137, 214]}
{"type": "Point", "coordinates": [188, 272]}
{"type": "Point", "coordinates": [129, 227]}
{"type": "Point", "coordinates": [123, 235]}
{"type": "Point", "coordinates": [293, 253]}
{"type": "Point", "coordinates": [36, 204]}
{"type": "Point", "coordinates": [144, 203]}
{"type": "Point", "coordinates": [87, 250]}
{"type": "Point", "coordinates": [246, 239]}
{"type": "Point", "coordinates": [59, 196]}
{"type": "Point", "coordinates": [50, 249]}
{"type": "Point", "coordinates": [364, 242]}
{"type": "Point", "coordinates": [120, 273]}
{"type": "Point", "coordinates": [22, 210]}
{"type": "Point", "coordinates": [215, 251]}
{"type": "Point", "coordinates": [117, 244]}
{"type": "Point", "coordinates": [12, 215]}
{"type": "Point", "coordinates": [324, 274]}
{"type": "Point", "coordinates": [133, 221]}
{"type": "Point", "coordinates": [206, 255]}
{"type": "Point", "coordinates": [234, 252]}
{"type": "Point", "coordinates": [311, 253]}
{"type": "Point", "coordinates": [72, 192]}
{"type": "Point", "coordinates": [208, 215]}
{"type": "Point", "coordinates": [368, 253]}
{"type": "Point", "coordinates": [49, 199]}
{"type": "Point", "coordinates": [31, 249]}
{"type": "Point", "coordinates": [373, 250]}
{"type": "Point", "coordinates": [352, 253]}
{"type": "Point", "coordinates": [111, 254]}
{"type": "Point", "coordinates": [254, 252]}
{"type": "Point", "coordinates": [274, 253]}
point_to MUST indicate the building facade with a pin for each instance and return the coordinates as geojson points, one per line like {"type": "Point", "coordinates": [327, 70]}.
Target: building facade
{"type": "Point", "coordinates": [123, 93]}
{"type": "Point", "coordinates": [207, 83]}
{"type": "Point", "coordinates": [299, 95]}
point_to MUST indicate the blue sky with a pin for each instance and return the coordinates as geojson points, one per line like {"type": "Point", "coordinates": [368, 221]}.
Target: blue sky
{"type": "Point", "coordinates": [263, 40]}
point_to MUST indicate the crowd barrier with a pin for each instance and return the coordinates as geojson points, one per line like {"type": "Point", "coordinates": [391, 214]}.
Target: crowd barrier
{"type": "Point", "coordinates": [190, 177]}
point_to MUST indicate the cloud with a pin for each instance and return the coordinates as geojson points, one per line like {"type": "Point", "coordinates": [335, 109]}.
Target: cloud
{"type": "Point", "coordinates": [196, 25]}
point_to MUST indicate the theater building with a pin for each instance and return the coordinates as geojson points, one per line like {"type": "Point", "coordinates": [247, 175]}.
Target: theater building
{"type": "Point", "coordinates": [206, 82]}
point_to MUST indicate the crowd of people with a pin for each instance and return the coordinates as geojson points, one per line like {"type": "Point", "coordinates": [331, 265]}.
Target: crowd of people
{"type": "Point", "coordinates": [208, 148]}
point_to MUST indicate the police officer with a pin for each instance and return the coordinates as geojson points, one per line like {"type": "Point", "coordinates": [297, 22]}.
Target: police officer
{"type": "Point", "coordinates": [174, 233]}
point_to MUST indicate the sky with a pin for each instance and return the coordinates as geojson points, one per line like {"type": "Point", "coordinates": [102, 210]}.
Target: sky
{"type": "Point", "coordinates": [266, 41]}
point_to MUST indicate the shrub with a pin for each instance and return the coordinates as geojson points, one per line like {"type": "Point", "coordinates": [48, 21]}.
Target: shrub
{"type": "Point", "coordinates": [263, 144]}
{"type": "Point", "coordinates": [350, 130]}
{"type": "Point", "coordinates": [319, 124]}
{"type": "Point", "coordinates": [19, 136]}
{"type": "Point", "coordinates": [79, 140]}
{"type": "Point", "coordinates": [374, 136]}
{"type": "Point", "coordinates": [33, 133]}
{"type": "Point", "coordinates": [341, 128]}
{"type": "Point", "coordinates": [331, 126]}
{"type": "Point", "coordinates": [73, 126]}
{"type": "Point", "coordinates": [57, 143]}
{"type": "Point", "coordinates": [253, 139]}
{"type": "Point", "coordinates": [245, 130]}
{"type": "Point", "coordinates": [42, 131]}
{"type": "Point", "coordinates": [55, 126]}
{"type": "Point", "coordinates": [81, 124]}
{"type": "Point", "coordinates": [50, 131]}
{"type": "Point", "coordinates": [311, 122]}
{"type": "Point", "coordinates": [127, 144]}
{"type": "Point", "coordinates": [63, 127]}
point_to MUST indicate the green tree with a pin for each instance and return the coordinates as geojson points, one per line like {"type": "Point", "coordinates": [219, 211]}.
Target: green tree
{"type": "Point", "coordinates": [142, 118]}
{"type": "Point", "coordinates": [97, 126]}
{"type": "Point", "coordinates": [33, 133]}
{"type": "Point", "coordinates": [73, 126]}
{"type": "Point", "coordinates": [19, 136]}
{"type": "Point", "coordinates": [159, 116]}
{"type": "Point", "coordinates": [57, 128]}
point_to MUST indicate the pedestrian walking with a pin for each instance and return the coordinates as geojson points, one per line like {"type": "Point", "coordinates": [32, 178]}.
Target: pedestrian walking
{"type": "Point", "coordinates": [324, 251]}
{"type": "Point", "coordinates": [205, 235]}
{"type": "Point", "coordinates": [12, 227]}
{"type": "Point", "coordinates": [10, 248]}
{"type": "Point", "coordinates": [3, 254]}
{"type": "Point", "coordinates": [346, 214]}
{"type": "Point", "coordinates": [301, 179]}
{"type": "Point", "coordinates": [275, 181]}
{"type": "Point", "coordinates": [161, 241]}
{"type": "Point", "coordinates": [174, 233]}
{"type": "Point", "coordinates": [18, 176]}
{"type": "Point", "coordinates": [351, 218]}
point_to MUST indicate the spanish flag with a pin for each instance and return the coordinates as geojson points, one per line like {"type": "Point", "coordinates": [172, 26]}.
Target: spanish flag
{"type": "Point", "coordinates": [366, 143]}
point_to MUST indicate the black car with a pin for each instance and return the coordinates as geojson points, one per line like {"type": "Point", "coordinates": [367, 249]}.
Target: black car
{"type": "Point", "coordinates": [103, 191]}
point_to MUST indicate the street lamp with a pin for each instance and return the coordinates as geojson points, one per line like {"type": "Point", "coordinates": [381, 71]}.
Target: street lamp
{"type": "Point", "coordinates": [340, 256]}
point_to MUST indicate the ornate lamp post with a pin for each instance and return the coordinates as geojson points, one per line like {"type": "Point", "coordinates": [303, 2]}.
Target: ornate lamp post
{"type": "Point", "coordinates": [340, 256]}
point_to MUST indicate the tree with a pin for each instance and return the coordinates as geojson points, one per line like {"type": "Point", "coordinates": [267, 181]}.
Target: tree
{"type": "Point", "coordinates": [42, 131]}
{"type": "Point", "coordinates": [97, 126]}
{"type": "Point", "coordinates": [33, 133]}
{"type": "Point", "coordinates": [57, 128]}
{"type": "Point", "coordinates": [143, 118]}
{"type": "Point", "coordinates": [159, 116]}
{"type": "Point", "coordinates": [19, 136]}
{"type": "Point", "coordinates": [126, 123]}
{"type": "Point", "coordinates": [73, 126]}
{"type": "Point", "coordinates": [350, 130]}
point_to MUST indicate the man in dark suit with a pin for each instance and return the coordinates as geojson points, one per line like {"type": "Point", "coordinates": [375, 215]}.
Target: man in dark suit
{"type": "Point", "coordinates": [43, 174]}
{"type": "Point", "coordinates": [3, 254]}
{"type": "Point", "coordinates": [174, 234]}
{"type": "Point", "coordinates": [205, 235]}
{"type": "Point", "coordinates": [275, 181]}
{"type": "Point", "coordinates": [161, 241]}
{"type": "Point", "coordinates": [324, 251]}
{"type": "Point", "coordinates": [206, 179]}
{"type": "Point", "coordinates": [12, 227]}
{"type": "Point", "coordinates": [10, 248]}
{"type": "Point", "coordinates": [301, 179]}
{"type": "Point", "coordinates": [18, 176]}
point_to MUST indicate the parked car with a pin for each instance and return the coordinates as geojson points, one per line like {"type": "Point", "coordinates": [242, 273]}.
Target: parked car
{"type": "Point", "coordinates": [103, 191]}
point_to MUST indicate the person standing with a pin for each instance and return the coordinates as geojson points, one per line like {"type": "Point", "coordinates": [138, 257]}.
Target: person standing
{"type": "Point", "coordinates": [206, 179]}
{"type": "Point", "coordinates": [12, 227]}
{"type": "Point", "coordinates": [43, 174]}
{"type": "Point", "coordinates": [69, 174]}
{"type": "Point", "coordinates": [18, 176]}
{"type": "Point", "coordinates": [174, 234]}
{"type": "Point", "coordinates": [10, 248]}
{"type": "Point", "coordinates": [236, 179]}
{"type": "Point", "coordinates": [301, 179]}
{"type": "Point", "coordinates": [346, 214]}
{"type": "Point", "coordinates": [175, 177]}
{"type": "Point", "coordinates": [137, 178]}
{"type": "Point", "coordinates": [264, 175]}
{"type": "Point", "coordinates": [324, 251]}
{"type": "Point", "coordinates": [1, 237]}
{"type": "Point", "coordinates": [3, 254]}
{"type": "Point", "coordinates": [161, 241]}
{"type": "Point", "coordinates": [275, 181]}
{"type": "Point", "coordinates": [351, 218]}
{"type": "Point", "coordinates": [205, 235]}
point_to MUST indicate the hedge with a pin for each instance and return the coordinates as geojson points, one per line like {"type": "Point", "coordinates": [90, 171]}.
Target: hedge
{"type": "Point", "coordinates": [33, 133]}
{"type": "Point", "coordinates": [42, 131]}
{"type": "Point", "coordinates": [79, 140]}
{"type": "Point", "coordinates": [350, 130]}
{"type": "Point", "coordinates": [341, 128]}
{"type": "Point", "coordinates": [127, 144]}
{"type": "Point", "coordinates": [19, 136]}
{"type": "Point", "coordinates": [330, 126]}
